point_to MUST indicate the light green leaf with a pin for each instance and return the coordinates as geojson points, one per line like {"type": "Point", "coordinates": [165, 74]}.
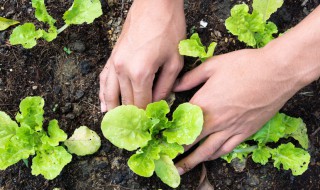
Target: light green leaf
{"type": "Point", "coordinates": [6, 23]}
{"type": "Point", "coordinates": [191, 48]}
{"type": "Point", "coordinates": [157, 112]}
{"type": "Point", "coordinates": [83, 11]}
{"type": "Point", "coordinates": [266, 7]}
{"type": "Point", "coordinates": [295, 159]}
{"type": "Point", "coordinates": [142, 163]}
{"type": "Point", "coordinates": [262, 154]}
{"type": "Point", "coordinates": [240, 152]}
{"type": "Point", "coordinates": [127, 127]}
{"type": "Point", "coordinates": [7, 129]}
{"type": "Point", "coordinates": [167, 172]}
{"type": "Point", "coordinates": [186, 125]}
{"type": "Point", "coordinates": [83, 142]}
{"type": "Point", "coordinates": [266, 36]}
{"type": "Point", "coordinates": [296, 128]}
{"type": "Point", "coordinates": [272, 131]}
{"type": "Point", "coordinates": [26, 35]}
{"type": "Point", "coordinates": [31, 112]}
{"type": "Point", "coordinates": [56, 135]}
{"type": "Point", "coordinates": [170, 149]}
{"type": "Point", "coordinates": [245, 25]}
{"type": "Point", "coordinates": [50, 162]}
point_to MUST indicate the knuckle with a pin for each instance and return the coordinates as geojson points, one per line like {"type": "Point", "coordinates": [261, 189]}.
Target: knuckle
{"type": "Point", "coordinates": [175, 68]}
{"type": "Point", "coordinates": [119, 66]}
{"type": "Point", "coordinates": [226, 149]}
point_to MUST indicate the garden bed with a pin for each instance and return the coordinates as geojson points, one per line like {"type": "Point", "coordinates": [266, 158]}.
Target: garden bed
{"type": "Point", "coordinates": [69, 83]}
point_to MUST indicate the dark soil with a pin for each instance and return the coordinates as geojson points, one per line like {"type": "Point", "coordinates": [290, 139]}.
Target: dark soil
{"type": "Point", "coordinates": [70, 84]}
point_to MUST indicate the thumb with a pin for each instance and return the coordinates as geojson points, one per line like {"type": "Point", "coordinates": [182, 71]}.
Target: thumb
{"type": "Point", "coordinates": [193, 78]}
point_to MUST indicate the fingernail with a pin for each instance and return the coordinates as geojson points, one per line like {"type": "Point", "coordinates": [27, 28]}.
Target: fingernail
{"type": "Point", "coordinates": [103, 107]}
{"type": "Point", "coordinates": [180, 170]}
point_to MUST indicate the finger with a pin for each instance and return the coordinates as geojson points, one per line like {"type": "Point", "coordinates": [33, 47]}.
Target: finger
{"type": "Point", "coordinates": [103, 80]}
{"type": "Point", "coordinates": [142, 91]}
{"type": "Point", "coordinates": [167, 78]}
{"type": "Point", "coordinates": [112, 89]}
{"type": "Point", "coordinates": [126, 90]}
{"type": "Point", "coordinates": [193, 78]}
{"type": "Point", "coordinates": [203, 152]}
{"type": "Point", "coordinates": [228, 146]}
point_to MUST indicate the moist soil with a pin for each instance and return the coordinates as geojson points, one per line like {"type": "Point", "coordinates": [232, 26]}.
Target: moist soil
{"type": "Point", "coordinates": [69, 83]}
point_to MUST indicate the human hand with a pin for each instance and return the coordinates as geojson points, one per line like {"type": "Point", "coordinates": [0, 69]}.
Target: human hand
{"type": "Point", "coordinates": [242, 91]}
{"type": "Point", "coordinates": [148, 44]}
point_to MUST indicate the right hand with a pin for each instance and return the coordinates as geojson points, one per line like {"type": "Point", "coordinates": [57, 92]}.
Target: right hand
{"type": "Point", "coordinates": [148, 44]}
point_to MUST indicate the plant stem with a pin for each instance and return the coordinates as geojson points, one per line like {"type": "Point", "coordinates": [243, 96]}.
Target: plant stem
{"type": "Point", "coordinates": [245, 150]}
{"type": "Point", "coordinates": [62, 28]}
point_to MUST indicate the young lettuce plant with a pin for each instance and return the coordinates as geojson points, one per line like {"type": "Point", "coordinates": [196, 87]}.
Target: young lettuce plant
{"type": "Point", "coordinates": [6, 23]}
{"type": "Point", "coordinates": [157, 139]}
{"type": "Point", "coordinates": [29, 139]}
{"type": "Point", "coordinates": [288, 155]}
{"type": "Point", "coordinates": [194, 48]}
{"type": "Point", "coordinates": [80, 12]}
{"type": "Point", "coordinates": [254, 29]}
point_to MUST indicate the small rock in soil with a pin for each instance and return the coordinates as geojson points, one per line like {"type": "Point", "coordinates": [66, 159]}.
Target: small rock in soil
{"type": "Point", "coordinates": [134, 185]}
{"type": "Point", "coordinates": [70, 116]}
{"type": "Point", "coordinates": [85, 67]}
{"type": "Point", "coordinates": [253, 180]}
{"type": "Point", "coordinates": [79, 94]}
{"type": "Point", "coordinates": [117, 177]}
{"type": "Point", "coordinates": [3, 37]}
{"type": "Point", "coordinates": [56, 89]}
{"type": "Point", "coordinates": [78, 46]}
{"type": "Point", "coordinates": [77, 109]}
{"type": "Point", "coordinates": [238, 165]}
{"type": "Point", "coordinates": [228, 182]}
{"type": "Point", "coordinates": [66, 108]}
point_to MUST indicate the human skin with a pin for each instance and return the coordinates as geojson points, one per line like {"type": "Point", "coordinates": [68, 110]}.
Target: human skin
{"type": "Point", "coordinates": [148, 44]}
{"type": "Point", "coordinates": [243, 89]}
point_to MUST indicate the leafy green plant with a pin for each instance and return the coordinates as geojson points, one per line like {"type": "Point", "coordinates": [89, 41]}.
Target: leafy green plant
{"type": "Point", "coordinates": [288, 155]}
{"type": "Point", "coordinates": [254, 29]}
{"type": "Point", "coordinates": [194, 48]}
{"type": "Point", "coordinates": [26, 137]}
{"type": "Point", "coordinates": [157, 139]}
{"type": "Point", "coordinates": [67, 50]}
{"type": "Point", "coordinates": [80, 12]}
{"type": "Point", "coordinates": [6, 23]}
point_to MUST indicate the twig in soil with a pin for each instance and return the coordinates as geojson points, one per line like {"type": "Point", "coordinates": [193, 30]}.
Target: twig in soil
{"type": "Point", "coordinates": [315, 132]}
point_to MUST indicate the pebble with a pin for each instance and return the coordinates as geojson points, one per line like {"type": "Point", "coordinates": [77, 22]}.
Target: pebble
{"type": "Point", "coordinates": [66, 108]}
{"type": "Point", "coordinates": [228, 182]}
{"type": "Point", "coordinates": [78, 46]}
{"type": "Point", "coordinates": [253, 180]}
{"type": "Point", "coordinates": [79, 94]}
{"type": "Point", "coordinates": [85, 67]}
{"type": "Point", "coordinates": [77, 109]}
{"type": "Point", "coordinates": [57, 89]}
{"type": "Point", "coordinates": [70, 116]}
{"type": "Point", "coordinates": [34, 87]}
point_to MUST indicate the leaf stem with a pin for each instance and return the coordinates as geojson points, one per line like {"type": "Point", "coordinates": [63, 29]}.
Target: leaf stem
{"type": "Point", "coordinates": [245, 150]}
{"type": "Point", "coordinates": [62, 28]}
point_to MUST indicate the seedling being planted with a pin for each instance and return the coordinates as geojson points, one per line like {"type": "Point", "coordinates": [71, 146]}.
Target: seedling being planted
{"type": "Point", "coordinates": [157, 139]}
{"type": "Point", "coordinates": [254, 29]}
{"type": "Point", "coordinates": [26, 137]}
{"type": "Point", "coordinates": [80, 12]}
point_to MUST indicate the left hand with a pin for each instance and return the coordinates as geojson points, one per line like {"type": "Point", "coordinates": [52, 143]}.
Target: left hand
{"type": "Point", "coordinates": [242, 91]}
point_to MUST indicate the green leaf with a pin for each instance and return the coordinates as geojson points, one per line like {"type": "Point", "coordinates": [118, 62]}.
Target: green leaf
{"type": "Point", "coordinates": [31, 112]}
{"type": "Point", "coordinates": [157, 112]}
{"type": "Point", "coordinates": [266, 7]}
{"type": "Point", "coordinates": [245, 25]}
{"type": "Point", "coordinates": [296, 128]}
{"type": "Point", "coordinates": [170, 149]}
{"type": "Point", "coordinates": [142, 163]}
{"type": "Point", "coordinates": [41, 12]}
{"type": "Point", "coordinates": [295, 159]}
{"type": "Point", "coordinates": [26, 35]}
{"type": "Point", "coordinates": [186, 125]}
{"type": "Point", "coordinates": [6, 23]}
{"type": "Point", "coordinates": [191, 48]}
{"type": "Point", "coordinates": [240, 152]}
{"type": "Point", "coordinates": [83, 142]}
{"type": "Point", "coordinates": [50, 162]}
{"type": "Point", "coordinates": [266, 36]}
{"type": "Point", "coordinates": [7, 129]}
{"type": "Point", "coordinates": [167, 172]}
{"type": "Point", "coordinates": [262, 154]}
{"type": "Point", "coordinates": [272, 131]}
{"type": "Point", "coordinates": [127, 127]}
{"type": "Point", "coordinates": [56, 135]}
{"type": "Point", "coordinates": [83, 11]}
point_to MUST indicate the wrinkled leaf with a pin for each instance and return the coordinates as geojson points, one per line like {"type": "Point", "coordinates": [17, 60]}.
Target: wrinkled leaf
{"type": "Point", "coordinates": [186, 125]}
{"type": "Point", "coordinates": [266, 7]}
{"type": "Point", "coordinates": [7, 129]}
{"type": "Point", "coordinates": [170, 149]}
{"type": "Point", "coordinates": [240, 152]}
{"type": "Point", "coordinates": [127, 127]}
{"type": "Point", "coordinates": [261, 155]}
{"type": "Point", "coordinates": [83, 142]}
{"type": "Point", "coordinates": [26, 35]}
{"type": "Point", "coordinates": [6, 23]}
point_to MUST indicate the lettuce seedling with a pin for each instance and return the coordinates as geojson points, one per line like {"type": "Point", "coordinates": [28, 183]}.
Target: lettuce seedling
{"type": "Point", "coordinates": [157, 139]}
{"type": "Point", "coordinates": [194, 48]}
{"type": "Point", "coordinates": [288, 155]}
{"type": "Point", "coordinates": [254, 29]}
{"type": "Point", "coordinates": [81, 11]}
{"type": "Point", "coordinates": [26, 137]}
